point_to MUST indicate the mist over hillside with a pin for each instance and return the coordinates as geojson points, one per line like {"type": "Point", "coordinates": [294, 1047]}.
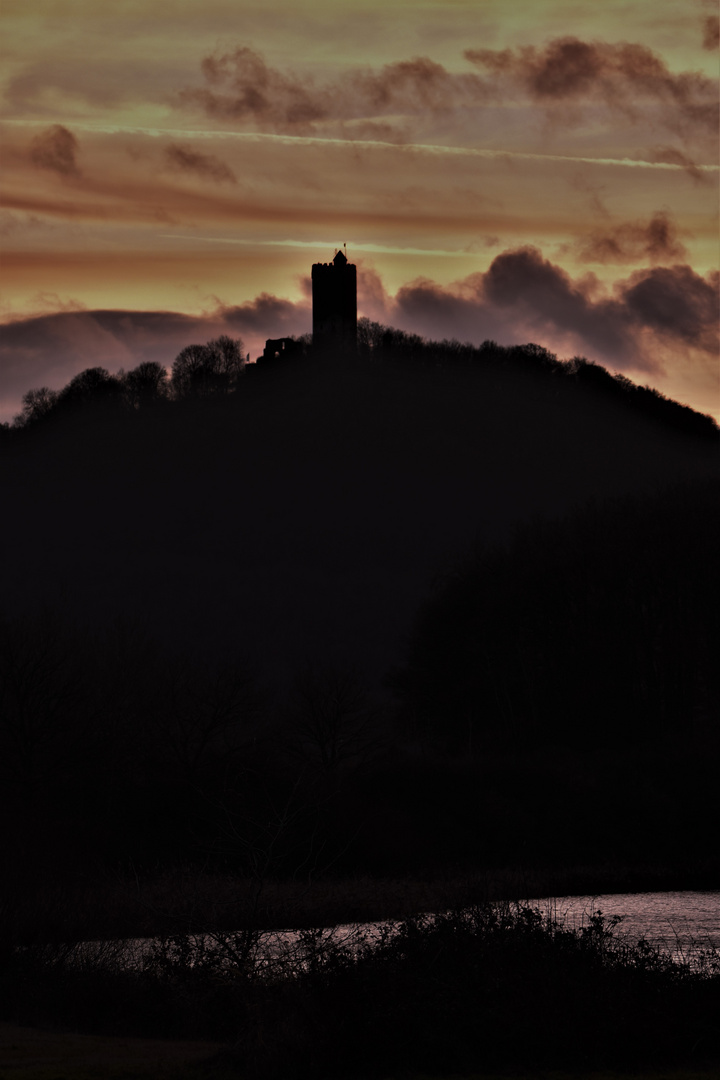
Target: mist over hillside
{"type": "Point", "coordinates": [305, 515]}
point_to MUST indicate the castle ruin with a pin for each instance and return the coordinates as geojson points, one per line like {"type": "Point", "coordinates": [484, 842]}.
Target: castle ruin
{"type": "Point", "coordinates": [334, 299]}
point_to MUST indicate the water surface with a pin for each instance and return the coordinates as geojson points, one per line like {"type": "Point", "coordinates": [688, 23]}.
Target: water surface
{"type": "Point", "coordinates": [673, 921]}
{"type": "Point", "coordinates": [680, 923]}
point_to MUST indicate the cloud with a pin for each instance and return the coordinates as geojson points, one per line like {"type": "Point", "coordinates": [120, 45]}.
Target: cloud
{"type": "Point", "coordinates": [418, 100]}
{"type": "Point", "coordinates": [240, 85]}
{"type": "Point", "coordinates": [523, 296]}
{"type": "Point", "coordinates": [622, 76]}
{"type": "Point", "coordinates": [420, 83]}
{"type": "Point", "coordinates": [56, 149]}
{"type": "Point", "coordinates": [373, 299]}
{"type": "Point", "coordinates": [50, 349]}
{"type": "Point", "coordinates": [544, 295]}
{"type": "Point", "coordinates": [634, 242]}
{"type": "Point", "coordinates": [711, 32]}
{"type": "Point", "coordinates": [266, 316]}
{"type": "Point", "coordinates": [675, 300]}
{"type": "Point", "coordinates": [254, 90]}
{"type": "Point", "coordinates": [182, 158]}
{"type": "Point", "coordinates": [627, 78]}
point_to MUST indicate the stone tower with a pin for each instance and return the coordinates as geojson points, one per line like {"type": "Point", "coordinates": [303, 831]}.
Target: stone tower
{"type": "Point", "coordinates": [334, 292]}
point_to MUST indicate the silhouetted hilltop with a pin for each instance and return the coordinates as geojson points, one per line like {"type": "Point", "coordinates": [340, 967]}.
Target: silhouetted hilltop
{"type": "Point", "coordinates": [216, 368]}
{"type": "Point", "coordinates": [301, 508]}
{"type": "Point", "coordinates": [204, 593]}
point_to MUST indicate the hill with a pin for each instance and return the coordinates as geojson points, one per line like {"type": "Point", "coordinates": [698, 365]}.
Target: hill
{"type": "Point", "coordinates": [211, 597]}
{"type": "Point", "coordinates": [305, 515]}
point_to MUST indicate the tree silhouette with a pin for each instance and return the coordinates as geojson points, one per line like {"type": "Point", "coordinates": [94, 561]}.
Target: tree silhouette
{"type": "Point", "coordinates": [369, 335]}
{"type": "Point", "coordinates": [202, 370]}
{"type": "Point", "coordinates": [331, 717]}
{"type": "Point", "coordinates": [94, 386]}
{"type": "Point", "coordinates": [146, 383]}
{"type": "Point", "coordinates": [37, 404]}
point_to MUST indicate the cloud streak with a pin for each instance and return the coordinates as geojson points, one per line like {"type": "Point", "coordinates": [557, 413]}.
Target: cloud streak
{"type": "Point", "coordinates": [659, 157]}
{"type": "Point", "coordinates": [319, 245]}
{"type": "Point", "coordinates": [670, 155]}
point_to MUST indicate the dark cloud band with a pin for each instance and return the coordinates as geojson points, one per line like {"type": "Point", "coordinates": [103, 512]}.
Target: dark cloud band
{"type": "Point", "coordinates": [624, 77]}
{"type": "Point", "coordinates": [181, 157]}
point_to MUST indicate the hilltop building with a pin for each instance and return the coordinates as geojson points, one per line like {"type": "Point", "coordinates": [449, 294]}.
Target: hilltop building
{"type": "Point", "coordinates": [334, 293]}
{"type": "Point", "coordinates": [281, 348]}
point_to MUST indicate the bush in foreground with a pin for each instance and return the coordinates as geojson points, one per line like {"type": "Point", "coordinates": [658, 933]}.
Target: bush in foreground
{"type": "Point", "coordinates": [490, 987]}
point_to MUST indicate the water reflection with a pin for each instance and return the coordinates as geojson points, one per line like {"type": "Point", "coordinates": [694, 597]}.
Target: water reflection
{"type": "Point", "coordinates": [680, 923]}
{"type": "Point", "coordinates": [673, 921]}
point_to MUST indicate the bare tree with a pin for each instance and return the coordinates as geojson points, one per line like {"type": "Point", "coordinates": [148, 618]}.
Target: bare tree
{"type": "Point", "coordinates": [332, 721]}
{"type": "Point", "coordinates": [36, 404]}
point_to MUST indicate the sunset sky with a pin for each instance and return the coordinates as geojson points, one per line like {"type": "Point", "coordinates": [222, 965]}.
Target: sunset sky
{"type": "Point", "coordinates": [541, 170]}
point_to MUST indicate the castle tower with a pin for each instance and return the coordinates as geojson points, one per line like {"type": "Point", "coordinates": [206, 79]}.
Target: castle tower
{"type": "Point", "coordinates": [334, 291]}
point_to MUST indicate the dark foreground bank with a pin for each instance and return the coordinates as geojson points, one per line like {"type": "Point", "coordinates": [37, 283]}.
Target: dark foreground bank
{"type": "Point", "coordinates": [33, 1054]}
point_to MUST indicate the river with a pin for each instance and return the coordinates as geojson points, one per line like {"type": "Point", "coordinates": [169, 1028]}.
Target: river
{"type": "Point", "coordinates": [679, 923]}
{"type": "Point", "coordinates": [673, 921]}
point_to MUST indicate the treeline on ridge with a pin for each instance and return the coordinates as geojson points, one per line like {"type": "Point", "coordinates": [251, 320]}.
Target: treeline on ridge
{"type": "Point", "coordinates": [220, 368]}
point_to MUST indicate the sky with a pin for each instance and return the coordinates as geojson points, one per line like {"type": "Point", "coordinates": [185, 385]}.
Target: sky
{"type": "Point", "coordinates": [545, 170]}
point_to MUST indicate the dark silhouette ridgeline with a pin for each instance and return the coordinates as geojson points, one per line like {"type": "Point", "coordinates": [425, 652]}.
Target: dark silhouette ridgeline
{"type": "Point", "coordinates": [216, 368]}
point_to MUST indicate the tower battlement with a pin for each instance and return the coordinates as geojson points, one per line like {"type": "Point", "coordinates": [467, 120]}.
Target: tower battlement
{"type": "Point", "coordinates": [334, 293]}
